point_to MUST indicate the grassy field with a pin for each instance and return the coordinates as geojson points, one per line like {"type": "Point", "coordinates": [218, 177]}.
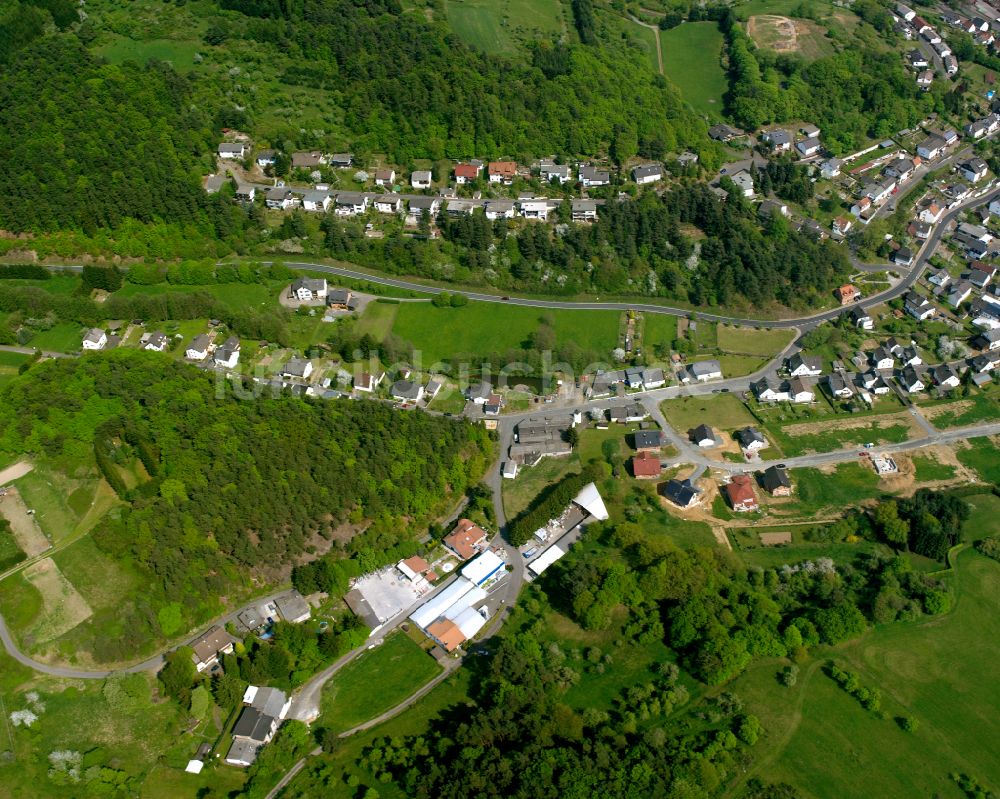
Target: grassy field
{"type": "Point", "coordinates": [178, 52]}
{"type": "Point", "coordinates": [61, 337]}
{"type": "Point", "coordinates": [65, 506]}
{"type": "Point", "coordinates": [977, 408]}
{"type": "Point", "coordinates": [236, 296]}
{"type": "Point", "coordinates": [376, 681]}
{"type": "Point", "coordinates": [985, 516]}
{"type": "Point", "coordinates": [691, 59]}
{"type": "Point", "coordinates": [939, 671]}
{"type": "Point", "coordinates": [750, 341]}
{"type": "Point", "coordinates": [57, 284]}
{"type": "Point", "coordinates": [800, 437]}
{"type": "Point", "coordinates": [481, 328]}
{"type": "Point", "coordinates": [849, 484]}
{"type": "Point", "coordinates": [9, 364]}
{"type": "Point", "coordinates": [721, 411]}
{"type": "Point", "coordinates": [982, 455]}
{"type": "Point", "coordinates": [928, 468]}
{"type": "Point", "coordinates": [502, 27]}
{"type": "Point", "coordinates": [377, 320]}
{"type": "Point", "coordinates": [532, 480]}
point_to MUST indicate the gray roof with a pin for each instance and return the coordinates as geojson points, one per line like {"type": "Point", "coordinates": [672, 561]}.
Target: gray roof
{"type": "Point", "coordinates": [292, 606]}
{"type": "Point", "coordinates": [94, 335]}
{"type": "Point", "coordinates": [253, 725]}
{"type": "Point", "coordinates": [314, 284]}
{"type": "Point", "coordinates": [315, 196]}
{"type": "Point", "coordinates": [424, 203]}
{"type": "Point", "coordinates": [199, 342]}
{"type": "Point", "coordinates": [776, 477]}
{"type": "Point", "coordinates": [750, 435]}
{"type": "Point", "coordinates": [702, 432]}
{"type": "Point", "coordinates": [406, 389]}
{"type": "Point", "coordinates": [350, 198]}
{"type": "Point", "coordinates": [678, 492]}
{"type": "Point", "coordinates": [700, 368]}
{"type": "Point", "coordinates": [647, 171]}
{"type": "Point", "coordinates": [593, 173]}
{"type": "Point", "coordinates": [584, 205]}
{"type": "Point", "coordinates": [296, 367]}
{"type": "Point", "coordinates": [647, 438]}
{"type": "Point", "coordinates": [279, 193]}
{"type": "Point", "coordinates": [269, 701]}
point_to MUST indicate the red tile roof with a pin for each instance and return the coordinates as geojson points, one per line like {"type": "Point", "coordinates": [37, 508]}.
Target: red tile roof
{"type": "Point", "coordinates": [464, 538]}
{"type": "Point", "coordinates": [646, 464]}
{"type": "Point", "coordinates": [741, 494]}
{"type": "Point", "coordinates": [466, 171]}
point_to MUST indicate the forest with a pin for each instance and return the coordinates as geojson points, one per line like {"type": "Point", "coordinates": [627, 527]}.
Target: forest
{"type": "Point", "coordinates": [636, 248]}
{"type": "Point", "coordinates": [854, 95]}
{"type": "Point", "coordinates": [238, 489]}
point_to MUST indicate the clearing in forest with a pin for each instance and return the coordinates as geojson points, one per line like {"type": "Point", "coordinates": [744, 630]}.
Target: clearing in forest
{"type": "Point", "coordinates": [29, 535]}
{"type": "Point", "coordinates": [63, 606]}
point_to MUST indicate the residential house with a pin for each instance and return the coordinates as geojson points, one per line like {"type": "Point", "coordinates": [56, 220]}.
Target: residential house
{"type": "Point", "coordinates": [800, 365]}
{"type": "Point", "coordinates": [207, 648]}
{"type": "Point", "coordinates": [959, 293]}
{"type": "Point", "coordinates": [930, 212]}
{"type": "Point", "coordinates": [266, 158]}
{"type": "Point", "coordinates": [197, 350]}
{"type": "Point", "coordinates": [770, 389]}
{"type": "Point", "coordinates": [252, 731]}
{"type": "Point", "coordinates": [421, 179]}
{"type": "Point", "coordinates": [305, 289]}
{"type": "Point", "coordinates": [910, 356]}
{"type": "Point", "coordinates": [549, 171]}
{"type": "Point", "coordinates": [292, 607]}
{"type": "Point", "coordinates": [466, 173]}
{"type": "Point", "coordinates": [368, 381]}
{"type": "Point", "coordinates": [460, 208]}
{"type": "Point", "coordinates": [634, 412]}
{"type": "Point", "coordinates": [861, 318]}
{"type": "Point", "coordinates": [308, 160]}
{"type": "Point", "coordinates": [973, 170]}
{"type": "Point", "coordinates": [905, 12]}
{"type": "Point", "coordinates": [466, 540]}
{"type": "Point", "coordinates": [534, 208]}
{"type": "Point", "coordinates": [340, 299]}
{"type": "Point", "coordinates": [776, 482]}
{"type": "Point", "coordinates": [842, 226]}
{"type": "Point", "coordinates": [938, 277]}
{"type": "Point", "coordinates": [751, 439]}
{"type": "Point", "coordinates": [687, 159]}
{"type": "Point", "coordinates": [744, 183]}
{"type": "Point", "coordinates": [245, 193]}
{"type": "Point", "coordinates": [703, 371]}
{"type": "Point", "coordinates": [770, 208]}
{"type": "Point", "coordinates": [988, 340]}
{"type": "Point", "coordinates": [389, 204]}
{"type": "Point", "coordinates": [646, 466]}
{"type": "Point", "coordinates": [918, 306]}
{"type": "Point", "coordinates": [385, 177]}
{"type": "Point", "coordinates": [839, 387]}
{"type": "Point", "coordinates": [633, 377]}
{"type": "Point", "coordinates": [584, 210]}
{"type": "Point", "coordinates": [809, 130]}
{"type": "Point", "coordinates": [433, 387]}
{"type": "Point", "coordinates": [493, 404]}
{"type": "Point", "coordinates": [407, 391]}
{"type": "Point", "coordinates": [653, 378]}
{"type": "Point", "coordinates": [232, 150]}
{"type": "Point", "coordinates": [919, 230]}
{"type": "Point", "coordinates": [831, 167]}
{"type": "Point", "coordinates": [808, 147]}
{"type": "Point", "coordinates": [157, 342]}
{"type": "Point", "coordinates": [479, 393]}
{"type": "Point", "coordinates": [341, 160]}
{"type": "Point", "coordinates": [945, 376]}
{"type": "Point", "coordinates": [279, 198]}
{"type": "Point", "coordinates": [500, 209]}
{"type": "Point", "coordinates": [800, 391]}
{"type": "Point", "coordinates": [647, 440]}
{"type": "Point", "coordinates": [950, 64]}
{"type": "Point", "coordinates": [228, 355]}
{"type": "Point", "coordinates": [703, 436]}
{"type": "Point", "coordinates": [96, 339]}
{"type": "Point", "coordinates": [739, 491]}
{"type": "Point", "coordinates": [878, 191]}
{"type": "Point", "coordinates": [502, 172]}
{"type": "Point", "coordinates": [316, 200]}
{"type": "Point", "coordinates": [925, 78]}
{"type": "Point", "coordinates": [902, 256]}
{"type": "Point", "coordinates": [985, 362]}
{"type": "Point", "coordinates": [931, 147]}
{"type": "Point", "coordinates": [594, 176]}
{"type": "Point", "coordinates": [214, 184]}
{"type": "Point", "coordinates": [648, 173]}
{"type": "Point", "coordinates": [883, 359]}
{"type": "Point", "coordinates": [422, 205]}
{"type": "Point", "coordinates": [917, 60]}
{"type": "Point", "coordinates": [350, 203]}
{"type": "Point", "coordinates": [985, 314]}
{"type": "Point", "coordinates": [911, 380]}
{"type": "Point", "coordinates": [862, 208]}
{"type": "Point", "coordinates": [299, 368]}
{"type": "Point", "coordinates": [848, 293]}
{"type": "Point", "coordinates": [680, 492]}
{"type": "Point", "coordinates": [780, 140]}
{"type": "Point", "coordinates": [724, 133]}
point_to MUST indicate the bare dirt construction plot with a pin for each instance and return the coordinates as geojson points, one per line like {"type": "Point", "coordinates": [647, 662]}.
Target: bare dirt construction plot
{"type": "Point", "coordinates": [29, 535]}
{"type": "Point", "coordinates": [813, 428]}
{"type": "Point", "coordinates": [64, 607]}
{"type": "Point", "coordinates": [784, 35]}
{"type": "Point", "coordinates": [959, 407]}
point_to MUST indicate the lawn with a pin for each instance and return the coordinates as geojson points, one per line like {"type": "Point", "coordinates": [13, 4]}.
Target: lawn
{"type": "Point", "coordinates": [939, 671]}
{"type": "Point", "coordinates": [982, 455]}
{"type": "Point", "coordinates": [532, 480]}
{"type": "Point", "coordinates": [377, 320]}
{"type": "Point", "coordinates": [483, 328]}
{"type": "Point", "coordinates": [10, 362]}
{"type": "Point", "coordinates": [750, 341]}
{"type": "Point", "coordinates": [848, 485]}
{"type": "Point", "coordinates": [928, 468]}
{"type": "Point", "coordinates": [375, 682]}
{"type": "Point", "coordinates": [180, 53]}
{"type": "Point", "coordinates": [501, 27]}
{"type": "Point", "coordinates": [692, 60]}
{"type": "Point", "coordinates": [61, 337]}
{"type": "Point", "coordinates": [721, 411]}
{"type": "Point", "coordinates": [983, 520]}
{"type": "Point", "coordinates": [236, 296]}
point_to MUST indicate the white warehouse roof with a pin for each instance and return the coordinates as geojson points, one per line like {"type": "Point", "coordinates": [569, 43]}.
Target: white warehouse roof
{"type": "Point", "coordinates": [439, 603]}
{"type": "Point", "coordinates": [483, 568]}
{"type": "Point", "coordinates": [469, 622]}
{"type": "Point", "coordinates": [546, 559]}
{"type": "Point", "coordinates": [452, 613]}
{"type": "Point", "coordinates": [590, 500]}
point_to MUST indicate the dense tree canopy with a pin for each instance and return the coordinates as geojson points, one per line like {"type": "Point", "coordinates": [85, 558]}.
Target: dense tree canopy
{"type": "Point", "coordinates": [239, 487]}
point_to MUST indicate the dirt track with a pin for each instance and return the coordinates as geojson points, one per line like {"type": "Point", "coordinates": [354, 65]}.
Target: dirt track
{"type": "Point", "coordinates": [29, 535]}
{"type": "Point", "coordinates": [19, 469]}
